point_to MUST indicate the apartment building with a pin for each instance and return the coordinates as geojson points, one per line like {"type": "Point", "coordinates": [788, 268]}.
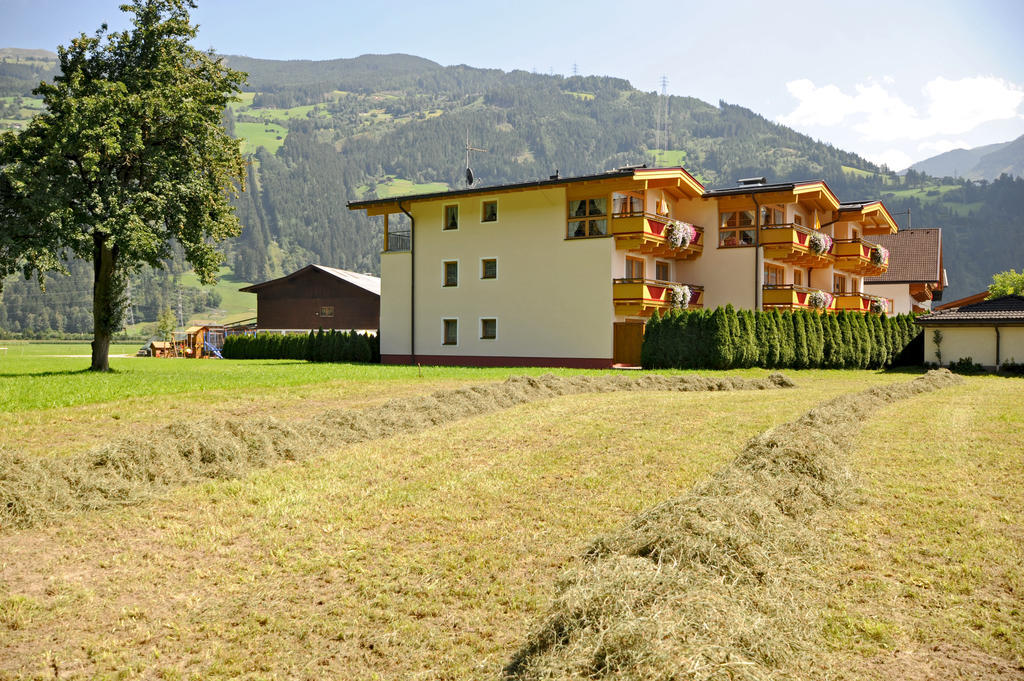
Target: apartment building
{"type": "Point", "coordinates": [564, 271]}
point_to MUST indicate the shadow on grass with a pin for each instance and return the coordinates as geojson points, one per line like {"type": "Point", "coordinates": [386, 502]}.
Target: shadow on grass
{"type": "Point", "coordinates": [66, 372]}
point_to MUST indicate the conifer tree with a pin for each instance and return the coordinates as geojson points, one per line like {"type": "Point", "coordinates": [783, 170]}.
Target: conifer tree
{"type": "Point", "coordinates": [761, 338]}
{"type": "Point", "coordinates": [801, 356]}
{"type": "Point", "coordinates": [776, 353]}
{"type": "Point", "coordinates": [749, 330]}
{"type": "Point", "coordinates": [864, 339]}
{"type": "Point", "coordinates": [787, 346]}
{"type": "Point", "coordinates": [721, 346]}
{"type": "Point", "coordinates": [650, 348]}
{"type": "Point", "coordinates": [847, 344]}
{"type": "Point", "coordinates": [819, 338]}
{"type": "Point", "coordinates": [735, 341]}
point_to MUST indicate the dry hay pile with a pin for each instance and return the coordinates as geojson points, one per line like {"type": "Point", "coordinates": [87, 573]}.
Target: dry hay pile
{"type": "Point", "coordinates": [712, 585]}
{"type": "Point", "coordinates": [35, 490]}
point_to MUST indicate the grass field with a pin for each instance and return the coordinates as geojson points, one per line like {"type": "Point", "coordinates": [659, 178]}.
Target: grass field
{"type": "Point", "coordinates": [234, 305]}
{"type": "Point", "coordinates": [268, 135]}
{"type": "Point", "coordinates": [432, 555]}
{"type": "Point", "coordinates": [396, 186]}
{"type": "Point", "coordinates": [669, 157]}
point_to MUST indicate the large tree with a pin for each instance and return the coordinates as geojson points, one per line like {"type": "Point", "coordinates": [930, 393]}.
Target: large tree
{"type": "Point", "coordinates": [129, 157]}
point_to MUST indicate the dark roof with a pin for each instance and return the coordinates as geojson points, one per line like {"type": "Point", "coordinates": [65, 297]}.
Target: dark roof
{"type": "Point", "coordinates": [489, 189]}
{"type": "Point", "coordinates": [915, 256]}
{"type": "Point", "coordinates": [755, 188]}
{"type": "Point", "coordinates": [960, 302]}
{"type": "Point", "coordinates": [1007, 309]}
{"type": "Point", "coordinates": [367, 282]}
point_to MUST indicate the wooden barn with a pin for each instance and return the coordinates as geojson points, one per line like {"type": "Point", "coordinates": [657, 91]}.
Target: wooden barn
{"type": "Point", "coordinates": [318, 297]}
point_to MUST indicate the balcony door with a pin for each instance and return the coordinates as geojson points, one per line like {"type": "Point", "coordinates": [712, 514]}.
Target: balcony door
{"type": "Point", "coordinates": [634, 268]}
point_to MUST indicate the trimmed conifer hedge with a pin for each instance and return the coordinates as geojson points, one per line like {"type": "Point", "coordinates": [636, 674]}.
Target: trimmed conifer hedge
{"type": "Point", "coordinates": [316, 346]}
{"type": "Point", "coordinates": [726, 338]}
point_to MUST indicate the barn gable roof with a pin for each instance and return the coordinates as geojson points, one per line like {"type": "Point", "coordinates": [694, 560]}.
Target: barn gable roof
{"type": "Point", "coordinates": [367, 282]}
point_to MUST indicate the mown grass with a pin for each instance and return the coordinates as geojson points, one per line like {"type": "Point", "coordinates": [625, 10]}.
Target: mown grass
{"type": "Point", "coordinates": [30, 381]}
{"type": "Point", "coordinates": [431, 555]}
{"type": "Point", "coordinates": [927, 567]}
{"type": "Point", "coordinates": [426, 555]}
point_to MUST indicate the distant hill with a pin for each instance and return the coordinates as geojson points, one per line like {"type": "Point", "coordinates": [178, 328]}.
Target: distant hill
{"type": "Point", "coordinates": [980, 163]}
{"type": "Point", "coordinates": [321, 133]}
{"type": "Point", "coordinates": [20, 53]}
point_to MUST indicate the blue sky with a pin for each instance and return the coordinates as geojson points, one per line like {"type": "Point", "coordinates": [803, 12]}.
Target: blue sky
{"type": "Point", "coordinates": [894, 81]}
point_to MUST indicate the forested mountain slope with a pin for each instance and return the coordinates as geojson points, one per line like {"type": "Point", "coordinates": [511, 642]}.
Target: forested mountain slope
{"type": "Point", "coordinates": [320, 134]}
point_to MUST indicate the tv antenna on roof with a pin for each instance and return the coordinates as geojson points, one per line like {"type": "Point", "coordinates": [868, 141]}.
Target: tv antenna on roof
{"type": "Point", "coordinates": [469, 171]}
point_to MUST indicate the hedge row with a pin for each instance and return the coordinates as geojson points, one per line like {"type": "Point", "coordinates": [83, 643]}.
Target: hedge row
{"type": "Point", "coordinates": [729, 338]}
{"type": "Point", "coordinates": [319, 346]}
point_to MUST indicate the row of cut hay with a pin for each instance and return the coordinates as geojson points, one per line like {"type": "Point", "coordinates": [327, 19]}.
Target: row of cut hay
{"type": "Point", "coordinates": [36, 490]}
{"type": "Point", "coordinates": [713, 584]}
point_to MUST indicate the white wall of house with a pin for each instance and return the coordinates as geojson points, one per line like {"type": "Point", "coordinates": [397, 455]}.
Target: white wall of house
{"type": "Point", "coordinates": [898, 293]}
{"type": "Point", "coordinates": [552, 297]}
{"type": "Point", "coordinates": [727, 274]}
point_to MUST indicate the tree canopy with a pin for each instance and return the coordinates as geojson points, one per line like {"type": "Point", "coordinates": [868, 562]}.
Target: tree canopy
{"type": "Point", "coordinates": [1006, 283]}
{"type": "Point", "coordinates": [128, 158]}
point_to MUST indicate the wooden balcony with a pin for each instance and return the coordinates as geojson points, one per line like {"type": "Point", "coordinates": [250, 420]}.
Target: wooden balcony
{"type": "Point", "coordinates": [860, 302]}
{"type": "Point", "coordinates": [789, 297]}
{"type": "Point", "coordinates": [641, 297]}
{"type": "Point", "coordinates": [645, 233]}
{"type": "Point", "coordinates": [791, 243]}
{"type": "Point", "coordinates": [854, 256]}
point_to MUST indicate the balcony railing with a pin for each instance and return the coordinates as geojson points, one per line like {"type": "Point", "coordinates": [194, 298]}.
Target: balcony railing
{"type": "Point", "coordinates": [647, 233]}
{"type": "Point", "coordinates": [641, 297]}
{"type": "Point", "coordinates": [398, 241]}
{"type": "Point", "coordinates": [791, 243]}
{"type": "Point", "coordinates": [860, 302]}
{"type": "Point", "coordinates": [854, 256]}
{"type": "Point", "coordinates": [789, 296]}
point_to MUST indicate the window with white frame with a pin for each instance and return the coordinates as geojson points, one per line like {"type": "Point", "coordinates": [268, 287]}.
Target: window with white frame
{"type": "Point", "coordinates": [451, 217]}
{"type": "Point", "coordinates": [489, 268]}
{"type": "Point", "coordinates": [488, 328]}
{"type": "Point", "coordinates": [450, 273]}
{"type": "Point", "coordinates": [489, 211]}
{"type": "Point", "coordinates": [450, 332]}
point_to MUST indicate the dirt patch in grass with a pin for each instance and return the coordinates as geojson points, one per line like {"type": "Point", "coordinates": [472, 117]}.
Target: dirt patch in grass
{"type": "Point", "coordinates": [37, 490]}
{"type": "Point", "coordinates": [713, 584]}
{"type": "Point", "coordinates": [939, 663]}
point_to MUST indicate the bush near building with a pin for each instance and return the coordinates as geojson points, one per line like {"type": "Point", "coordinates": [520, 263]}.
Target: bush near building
{"type": "Point", "coordinates": [317, 346]}
{"type": "Point", "coordinates": [725, 338]}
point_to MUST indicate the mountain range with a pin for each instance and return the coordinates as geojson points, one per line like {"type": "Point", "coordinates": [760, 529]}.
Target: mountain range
{"type": "Point", "coordinates": [321, 133]}
{"type": "Point", "coordinates": [987, 162]}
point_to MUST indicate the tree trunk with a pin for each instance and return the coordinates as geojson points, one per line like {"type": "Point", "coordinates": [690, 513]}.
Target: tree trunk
{"type": "Point", "coordinates": [105, 298]}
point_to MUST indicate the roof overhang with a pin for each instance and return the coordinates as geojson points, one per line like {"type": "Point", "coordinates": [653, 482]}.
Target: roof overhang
{"type": "Point", "coordinates": [674, 180]}
{"type": "Point", "coordinates": [872, 213]}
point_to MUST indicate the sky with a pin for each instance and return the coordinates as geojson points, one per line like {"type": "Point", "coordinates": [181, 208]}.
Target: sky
{"type": "Point", "coordinates": [895, 81]}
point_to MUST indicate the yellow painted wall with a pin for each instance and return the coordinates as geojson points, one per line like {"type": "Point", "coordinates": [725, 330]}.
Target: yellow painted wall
{"type": "Point", "coordinates": [976, 342]}
{"type": "Point", "coordinates": [394, 303]}
{"type": "Point", "coordinates": [1011, 344]}
{"type": "Point", "coordinates": [552, 296]}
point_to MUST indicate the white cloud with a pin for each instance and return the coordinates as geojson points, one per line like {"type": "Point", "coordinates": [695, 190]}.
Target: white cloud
{"type": "Point", "coordinates": [943, 145]}
{"type": "Point", "coordinates": [953, 107]}
{"type": "Point", "coordinates": [894, 158]}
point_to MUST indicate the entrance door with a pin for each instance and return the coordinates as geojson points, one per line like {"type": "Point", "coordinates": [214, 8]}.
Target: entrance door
{"type": "Point", "coordinates": [626, 341]}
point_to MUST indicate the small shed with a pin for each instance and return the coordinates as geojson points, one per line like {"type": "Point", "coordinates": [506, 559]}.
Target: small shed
{"type": "Point", "coordinates": [990, 332]}
{"type": "Point", "coordinates": [317, 297]}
